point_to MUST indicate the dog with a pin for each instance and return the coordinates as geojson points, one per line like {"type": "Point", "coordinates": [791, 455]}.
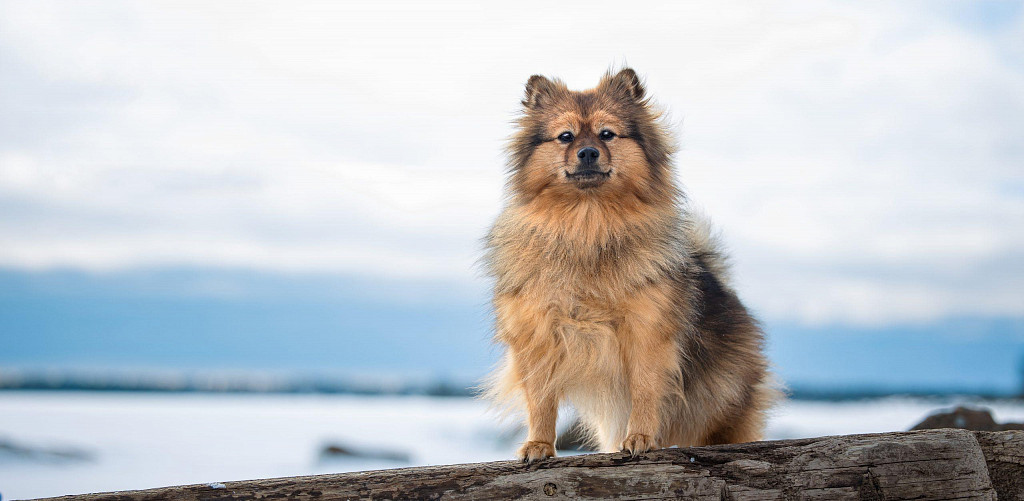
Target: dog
{"type": "Point", "coordinates": [610, 293]}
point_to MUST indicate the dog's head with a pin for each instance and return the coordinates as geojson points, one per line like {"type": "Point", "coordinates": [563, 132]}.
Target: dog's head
{"type": "Point", "coordinates": [606, 142]}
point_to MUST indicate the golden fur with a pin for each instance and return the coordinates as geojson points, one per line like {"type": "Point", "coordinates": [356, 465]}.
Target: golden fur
{"type": "Point", "coordinates": [608, 293]}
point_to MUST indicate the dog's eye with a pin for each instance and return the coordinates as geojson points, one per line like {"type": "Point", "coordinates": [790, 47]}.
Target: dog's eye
{"type": "Point", "coordinates": [566, 137]}
{"type": "Point", "coordinates": [605, 135]}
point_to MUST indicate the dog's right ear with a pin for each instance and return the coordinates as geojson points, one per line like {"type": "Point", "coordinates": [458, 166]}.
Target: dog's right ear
{"type": "Point", "coordinates": [538, 90]}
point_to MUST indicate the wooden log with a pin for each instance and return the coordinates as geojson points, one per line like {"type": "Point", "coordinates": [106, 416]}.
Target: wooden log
{"type": "Point", "coordinates": [921, 465]}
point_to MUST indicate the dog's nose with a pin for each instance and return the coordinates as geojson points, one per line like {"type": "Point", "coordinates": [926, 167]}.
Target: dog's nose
{"type": "Point", "coordinates": [588, 155]}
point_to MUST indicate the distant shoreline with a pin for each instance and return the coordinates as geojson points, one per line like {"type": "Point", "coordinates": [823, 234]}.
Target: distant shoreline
{"type": "Point", "coordinates": [434, 387]}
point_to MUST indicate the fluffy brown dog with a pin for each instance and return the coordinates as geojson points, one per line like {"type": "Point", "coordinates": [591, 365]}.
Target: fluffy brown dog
{"type": "Point", "coordinates": [608, 293]}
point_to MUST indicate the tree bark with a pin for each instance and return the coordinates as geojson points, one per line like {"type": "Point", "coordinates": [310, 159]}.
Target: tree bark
{"type": "Point", "coordinates": [921, 465]}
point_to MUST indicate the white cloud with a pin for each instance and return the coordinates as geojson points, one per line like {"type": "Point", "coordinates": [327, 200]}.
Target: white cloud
{"type": "Point", "coordinates": [863, 160]}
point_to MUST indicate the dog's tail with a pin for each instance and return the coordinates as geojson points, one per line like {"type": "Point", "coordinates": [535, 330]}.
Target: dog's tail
{"type": "Point", "coordinates": [705, 245]}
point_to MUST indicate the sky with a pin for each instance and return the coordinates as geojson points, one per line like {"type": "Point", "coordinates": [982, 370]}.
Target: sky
{"type": "Point", "coordinates": [862, 160]}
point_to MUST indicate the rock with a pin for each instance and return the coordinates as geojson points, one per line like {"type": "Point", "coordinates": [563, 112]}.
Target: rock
{"type": "Point", "coordinates": [335, 451]}
{"type": "Point", "coordinates": [966, 418]}
{"type": "Point", "coordinates": [20, 451]}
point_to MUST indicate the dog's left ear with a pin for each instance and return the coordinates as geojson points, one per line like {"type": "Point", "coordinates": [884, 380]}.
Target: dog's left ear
{"type": "Point", "coordinates": [627, 83]}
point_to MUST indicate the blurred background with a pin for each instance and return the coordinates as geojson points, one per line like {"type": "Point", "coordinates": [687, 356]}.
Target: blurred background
{"type": "Point", "coordinates": [239, 239]}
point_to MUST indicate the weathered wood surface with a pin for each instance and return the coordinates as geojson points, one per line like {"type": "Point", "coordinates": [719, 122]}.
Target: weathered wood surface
{"type": "Point", "coordinates": [932, 464]}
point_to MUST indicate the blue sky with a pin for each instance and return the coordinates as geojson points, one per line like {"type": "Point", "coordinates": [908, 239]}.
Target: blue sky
{"type": "Point", "coordinates": [862, 160]}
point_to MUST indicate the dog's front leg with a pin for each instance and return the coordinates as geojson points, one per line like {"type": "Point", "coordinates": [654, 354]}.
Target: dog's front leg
{"type": "Point", "coordinates": [542, 410]}
{"type": "Point", "coordinates": [649, 358]}
{"type": "Point", "coordinates": [528, 369]}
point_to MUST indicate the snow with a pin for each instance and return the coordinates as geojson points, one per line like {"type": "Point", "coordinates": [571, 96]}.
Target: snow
{"type": "Point", "coordinates": [145, 440]}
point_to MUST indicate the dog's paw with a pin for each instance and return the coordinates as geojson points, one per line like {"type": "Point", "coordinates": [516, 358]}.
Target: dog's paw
{"type": "Point", "coordinates": [535, 451]}
{"type": "Point", "coordinates": [638, 443]}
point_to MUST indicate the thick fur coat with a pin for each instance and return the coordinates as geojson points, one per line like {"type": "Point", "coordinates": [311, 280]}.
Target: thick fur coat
{"type": "Point", "coordinates": [608, 293]}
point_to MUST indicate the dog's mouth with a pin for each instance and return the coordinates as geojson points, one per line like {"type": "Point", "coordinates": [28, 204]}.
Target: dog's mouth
{"type": "Point", "coordinates": [588, 177]}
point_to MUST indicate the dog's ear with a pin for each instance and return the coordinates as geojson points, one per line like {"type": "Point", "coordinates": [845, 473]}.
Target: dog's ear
{"type": "Point", "coordinates": [538, 90]}
{"type": "Point", "coordinates": [626, 83]}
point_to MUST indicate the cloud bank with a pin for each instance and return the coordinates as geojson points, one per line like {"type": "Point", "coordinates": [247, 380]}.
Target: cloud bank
{"type": "Point", "coordinates": [863, 161]}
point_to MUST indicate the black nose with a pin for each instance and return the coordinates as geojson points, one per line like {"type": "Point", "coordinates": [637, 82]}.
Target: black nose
{"type": "Point", "coordinates": [588, 155]}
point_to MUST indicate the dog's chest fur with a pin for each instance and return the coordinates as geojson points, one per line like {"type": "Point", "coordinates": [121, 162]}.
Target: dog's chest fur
{"type": "Point", "coordinates": [581, 263]}
{"type": "Point", "coordinates": [577, 303]}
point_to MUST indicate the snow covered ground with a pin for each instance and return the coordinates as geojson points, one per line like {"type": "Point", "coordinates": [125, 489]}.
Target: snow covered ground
{"type": "Point", "coordinates": [141, 440]}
